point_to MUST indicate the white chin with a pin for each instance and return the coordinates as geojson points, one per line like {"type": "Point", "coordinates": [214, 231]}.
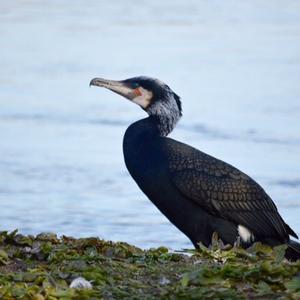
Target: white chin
{"type": "Point", "coordinates": [144, 99]}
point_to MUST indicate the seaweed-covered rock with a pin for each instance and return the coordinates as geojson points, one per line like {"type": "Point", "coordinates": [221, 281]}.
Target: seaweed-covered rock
{"type": "Point", "coordinates": [43, 267]}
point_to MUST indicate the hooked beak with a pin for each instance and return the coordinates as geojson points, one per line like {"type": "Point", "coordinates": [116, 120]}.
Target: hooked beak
{"type": "Point", "coordinates": [118, 87]}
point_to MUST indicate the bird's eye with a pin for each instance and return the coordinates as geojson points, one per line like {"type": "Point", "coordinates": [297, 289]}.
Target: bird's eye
{"type": "Point", "coordinates": [135, 85]}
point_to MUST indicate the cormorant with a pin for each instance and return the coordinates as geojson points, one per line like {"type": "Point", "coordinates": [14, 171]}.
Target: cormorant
{"type": "Point", "coordinates": [198, 193]}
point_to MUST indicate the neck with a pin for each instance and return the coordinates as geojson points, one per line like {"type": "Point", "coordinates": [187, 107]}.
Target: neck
{"type": "Point", "coordinates": [138, 135]}
{"type": "Point", "coordinates": [165, 116]}
{"type": "Point", "coordinates": [164, 124]}
{"type": "Point", "coordinates": [147, 129]}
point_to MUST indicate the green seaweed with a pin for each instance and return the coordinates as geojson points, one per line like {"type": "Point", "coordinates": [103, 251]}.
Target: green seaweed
{"type": "Point", "coordinates": [42, 268]}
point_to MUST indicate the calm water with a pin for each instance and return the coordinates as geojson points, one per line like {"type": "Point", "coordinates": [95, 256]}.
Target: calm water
{"type": "Point", "coordinates": [236, 66]}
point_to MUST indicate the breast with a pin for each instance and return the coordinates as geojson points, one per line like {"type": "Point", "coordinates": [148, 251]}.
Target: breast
{"type": "Point", "coordinates": [141, 150]}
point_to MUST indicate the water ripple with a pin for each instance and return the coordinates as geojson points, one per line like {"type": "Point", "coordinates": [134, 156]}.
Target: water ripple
{"type": "Point", "coordinates": [199, 128]}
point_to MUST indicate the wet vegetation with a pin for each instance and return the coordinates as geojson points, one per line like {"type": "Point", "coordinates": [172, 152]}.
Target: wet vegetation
{"type": "Point", "coordinates": [44, 266]}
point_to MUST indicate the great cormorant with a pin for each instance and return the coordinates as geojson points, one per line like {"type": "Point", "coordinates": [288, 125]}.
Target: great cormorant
{"type": "Point", "coordinates": [198, 193]}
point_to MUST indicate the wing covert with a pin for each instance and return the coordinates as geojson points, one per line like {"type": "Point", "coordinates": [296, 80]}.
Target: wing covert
{"type": "Point", "coordinates": [223, 190]}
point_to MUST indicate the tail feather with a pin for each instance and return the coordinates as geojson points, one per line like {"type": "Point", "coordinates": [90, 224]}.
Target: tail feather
{"type": "Point", "coordinates": [291, 231]}
{"type": "Point", "coordinates": [293, 251]}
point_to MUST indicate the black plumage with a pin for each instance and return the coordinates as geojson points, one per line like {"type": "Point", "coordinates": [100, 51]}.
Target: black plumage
{"type": "Point", "coordinates": [198, 193]}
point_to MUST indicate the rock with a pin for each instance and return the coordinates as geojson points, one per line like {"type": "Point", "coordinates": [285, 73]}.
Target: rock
{"type": "Point", "coordinates": [80, 283]}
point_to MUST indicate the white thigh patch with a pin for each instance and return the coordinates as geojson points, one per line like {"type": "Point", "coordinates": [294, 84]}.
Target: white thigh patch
{"type": "Point", "coordinates": [245, 234]}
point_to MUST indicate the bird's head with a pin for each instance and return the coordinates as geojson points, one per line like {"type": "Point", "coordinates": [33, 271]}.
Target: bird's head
{"type": "Point", "coordinates": [151, 94]}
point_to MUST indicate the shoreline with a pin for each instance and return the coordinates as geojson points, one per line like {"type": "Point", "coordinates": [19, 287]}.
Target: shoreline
{"type": "Point", "coordinates": [44, 266]}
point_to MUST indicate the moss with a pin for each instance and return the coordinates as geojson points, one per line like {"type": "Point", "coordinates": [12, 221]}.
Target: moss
{"type": "Point", "coordinates": [43, 267]}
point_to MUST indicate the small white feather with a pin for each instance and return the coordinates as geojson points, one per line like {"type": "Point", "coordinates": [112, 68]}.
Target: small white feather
{"type": "Point", "coordinates": [245, 233]}
{"type": "Point", "coordinates": [80, 283]}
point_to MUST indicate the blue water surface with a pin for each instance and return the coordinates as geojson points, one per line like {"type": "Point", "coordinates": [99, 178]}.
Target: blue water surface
{"type": "Point", "coordinates": [236, 65]}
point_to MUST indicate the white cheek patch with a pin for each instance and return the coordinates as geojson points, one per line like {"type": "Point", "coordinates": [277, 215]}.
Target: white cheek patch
{"type": "Point", "coordinates": [245, 234]}
{"type": "Point", "coordinates": [144, 99]}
